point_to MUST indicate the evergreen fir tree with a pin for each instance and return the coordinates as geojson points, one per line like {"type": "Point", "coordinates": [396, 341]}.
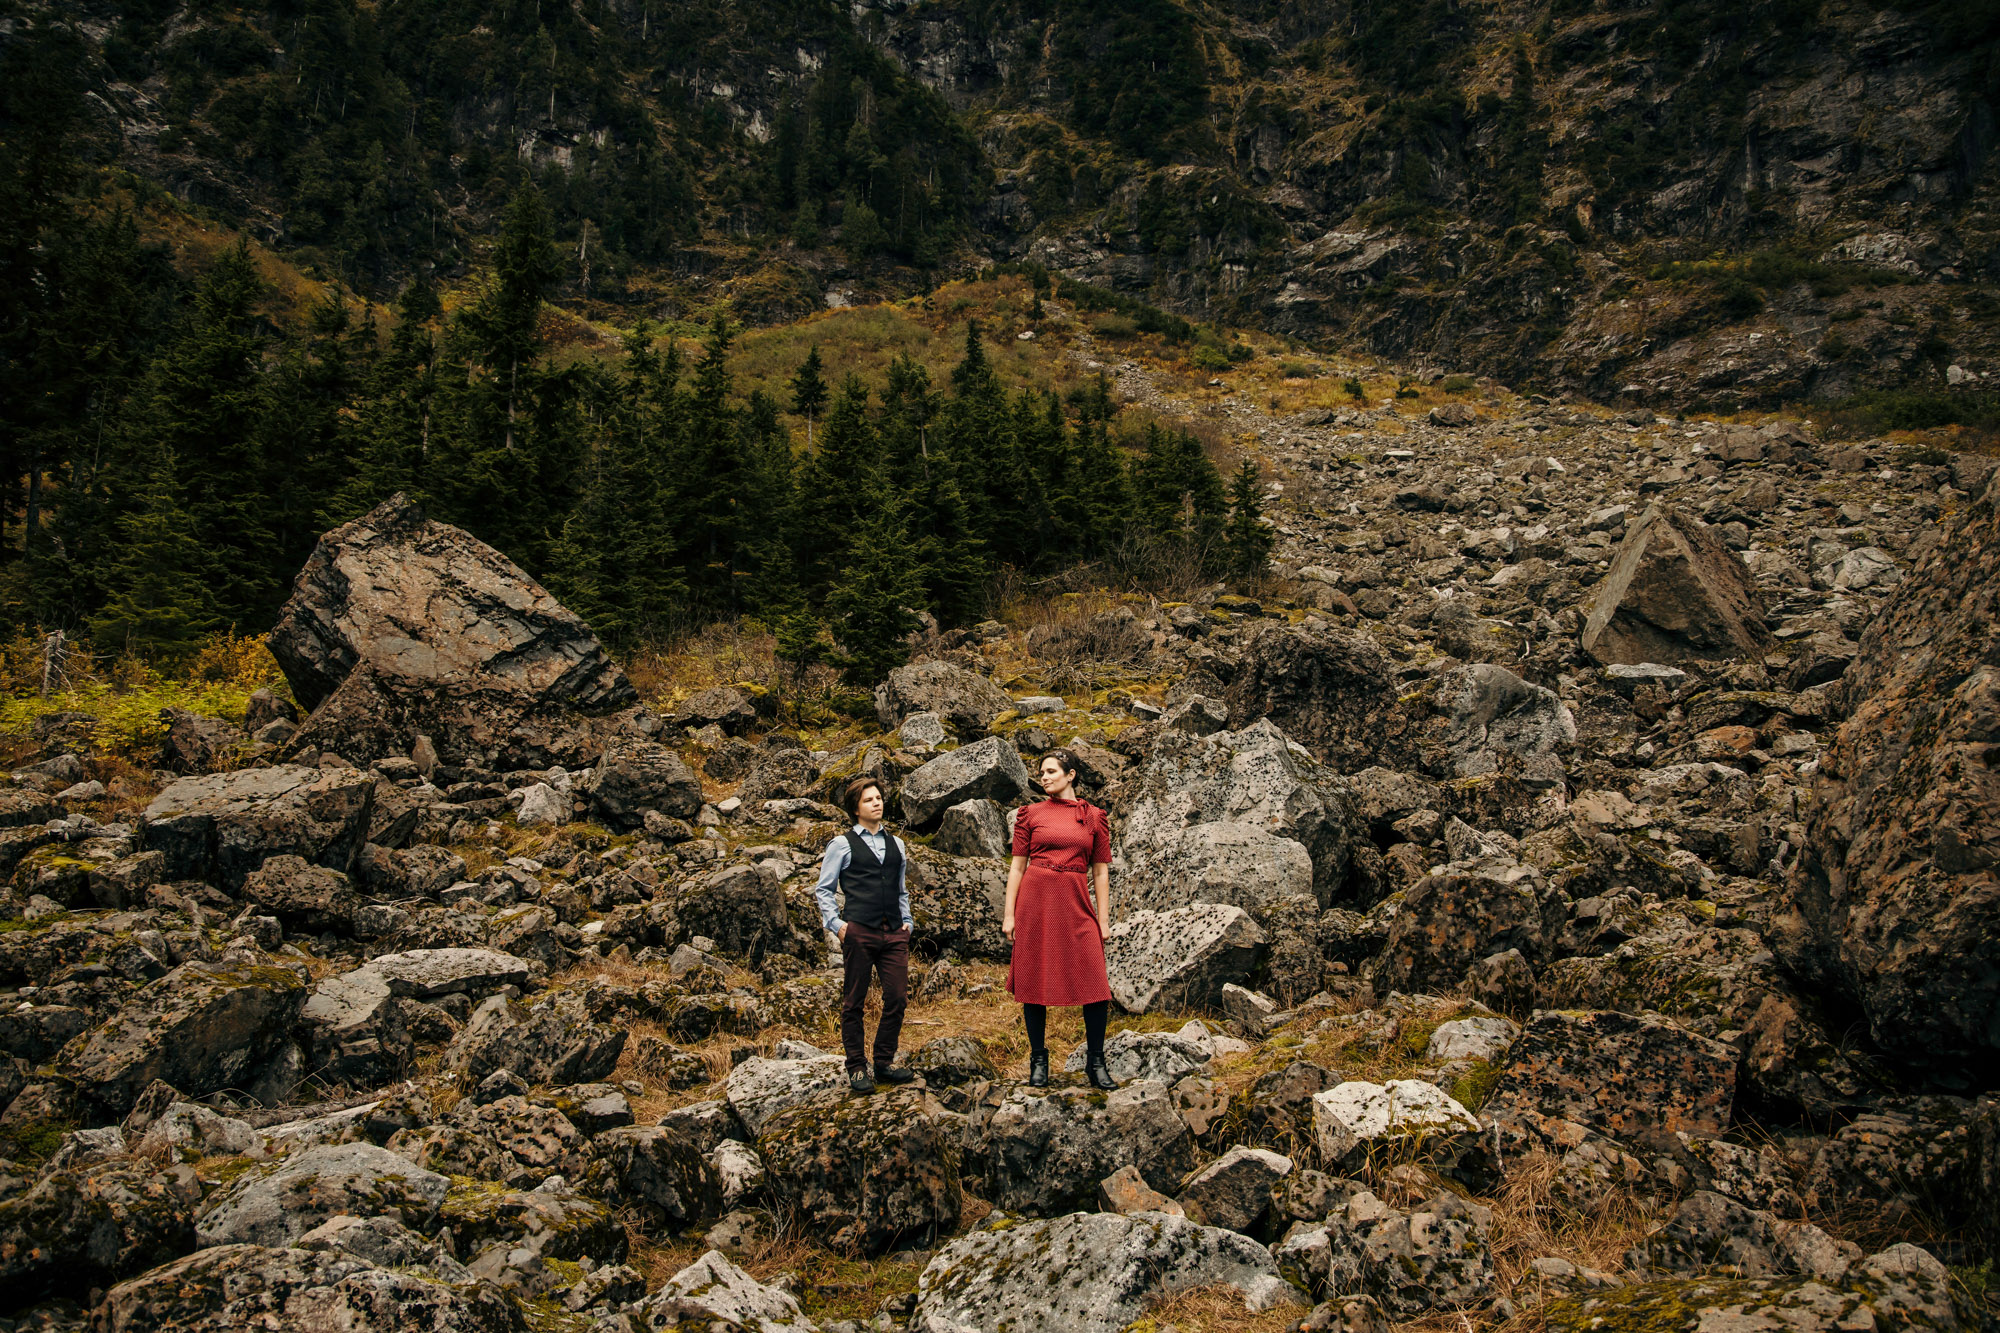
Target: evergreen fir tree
{"type": "Point", "coordinates": [872, 603]}
{"type": "Point", "coordinates": [720, 520]}
{"type": "Point", "coordinates": [507, 439]}
{"type": "Point", "coordinates": [809, 391]}
{"type": "Point", "coordinates": [201, 406]}
{"type": "Point", "coordinates": [161, 600]}
{"type": "Point", "coordinates": [837, 486]}
{"type": "Point", "coordinates": [391, 426]}
{"type": "Point", "coordinates": [1248, 539]}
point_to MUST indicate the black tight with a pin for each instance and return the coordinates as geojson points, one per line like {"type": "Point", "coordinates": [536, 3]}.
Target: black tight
{"type": "Point", "coordinates": [1095, 1016]}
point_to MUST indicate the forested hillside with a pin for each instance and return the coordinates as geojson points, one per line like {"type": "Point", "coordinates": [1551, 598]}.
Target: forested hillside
{"type": "Point", "coordinates": [1694, 205]}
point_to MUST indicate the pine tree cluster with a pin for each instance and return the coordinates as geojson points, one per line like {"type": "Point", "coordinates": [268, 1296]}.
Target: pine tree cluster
{"type": "Point", "coordinates": [170, 467]}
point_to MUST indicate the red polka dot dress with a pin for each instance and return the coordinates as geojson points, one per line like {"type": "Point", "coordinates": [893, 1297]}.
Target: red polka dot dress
{"type": "Point", "coordinates": [1058, 949]}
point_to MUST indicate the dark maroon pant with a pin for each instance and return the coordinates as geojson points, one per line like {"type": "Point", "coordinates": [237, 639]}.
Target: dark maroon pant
{"type": "Point", "coordinates": [863, 951]}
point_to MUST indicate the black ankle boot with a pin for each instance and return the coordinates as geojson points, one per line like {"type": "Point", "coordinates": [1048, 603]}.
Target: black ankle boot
{"type": "Point", "coordinates": [1038, 1069]}
{"type": "Point", "coordinates": [1099, 1073]}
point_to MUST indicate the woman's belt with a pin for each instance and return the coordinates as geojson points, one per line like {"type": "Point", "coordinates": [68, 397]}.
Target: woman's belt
{"type": "Point", "coordinates": [1050, 865]}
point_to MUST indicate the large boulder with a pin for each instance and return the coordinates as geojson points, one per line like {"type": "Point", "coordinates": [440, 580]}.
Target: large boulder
{"type": "Point", "coordinates": [760, 1088]}
{"type": "Point", "coordinates": [277, 1204]}
{"type": "Point", "coordinates": [1674, 593]}
{"type": "Point", "coordinates": [965, 700]}
{"type": "Point", "coordinates": [1895, 904]}
{"type": "Point", "coordinates": [1011, 1275]}
{"type": "Point", "coordinates": [1358, 1123]}
{"type": "Point", "coordinates": [712, 1293]}
{"type": "Point", "coordinates": [958, 903]}
{"type": "Point", "coordinates": [1711, 1232]}
{"type": "Point", "coordinates": [1181, 958]}
{"type": "Point", "coordinates": [229, 1288]}
{"type": "Point", "coordinates": [304, 897]}
{"type": "Point", "coordinates": [361, 1025]}
{"type": "Point", "coordinates": [990, 768]}
{"type": "Point", "coordinates": [1435, 1257]}
{"type": "Point", "coordinates": [221, 826]}
{"type": "Point", "coordinates": [425, 610]}
{"type": "Point", "coordinates": [866, 1173]}
{"type": "Point", "coordinates": [973, 828]}
{"type": "Point", "coordinates": [1234, 1190]}
{"type": "Point", "coordinates": [202, 1027]}
{"type": "Point", "coordinates": [1233, 817]}
{"type": "Point", "coordinates": [510, 1140]}
{"type": "Point", "coordinates": [657, 1173]}
{"type": "Point", "coordinates": [90, 1227]}
{"type": "Point", "coordinates": [1639, 1078]}
{"type": "Point", "coordinates": [524, 1240]}
{"type": "Point", "coordinates": [1720, 981]}
{"type": "Point", "coordinates": [1902, 1288]}
{"type": "Point", "coordinates": [1044, 1150]}
{"type": "Point", "coordinates": [740, 907]}
{"type": "Point", "coordinates": [1335, 692]}
{"type": "Point", "coordinates": [552, 1041]}
{"type": "Point", "coordinates": [636, 775]}
{"type": "Point", "coordinates": [1494, 717]}
{"type": "Point", "coordinates": [1463, 912]}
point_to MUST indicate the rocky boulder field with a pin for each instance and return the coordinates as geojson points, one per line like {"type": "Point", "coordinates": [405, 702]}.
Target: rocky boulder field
{"type": "Point", "coordinates": [1570, 903]}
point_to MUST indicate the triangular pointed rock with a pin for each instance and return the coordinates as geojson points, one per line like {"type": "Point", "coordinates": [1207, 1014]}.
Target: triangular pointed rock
{"type": "Point", "coordinates": [1675, 593]}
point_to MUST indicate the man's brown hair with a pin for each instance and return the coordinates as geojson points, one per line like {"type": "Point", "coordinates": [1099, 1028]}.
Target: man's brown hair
{"type": "Point", "coordinates": [851, 794]}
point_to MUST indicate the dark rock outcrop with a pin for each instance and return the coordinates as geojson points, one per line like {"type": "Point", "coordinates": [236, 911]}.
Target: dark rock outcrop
{"type": "Point", "coordinates": [1896, 902]}
{"type": "Point", "coordinates": [1674, 594]}
{"type": "Point", "coordinates": [448, 637]}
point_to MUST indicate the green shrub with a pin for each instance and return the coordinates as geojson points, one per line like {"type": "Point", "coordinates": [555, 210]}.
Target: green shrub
{"type": "Point", "coordinates": [1293, 370]}
{"type": "Point", "coordinates": [1354, 387]}
{"type": "Point", "coordinates": [1458, 383]}
{"type": "Point", "coordinates": [1115, 326]}
{"type": "Point", "coordinates": [1209, 358]}
{"type": "Point", "coordinates": [1878, 411]}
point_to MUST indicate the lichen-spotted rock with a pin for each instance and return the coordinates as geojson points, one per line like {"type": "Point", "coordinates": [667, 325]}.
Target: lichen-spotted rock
{"type": "Point", "coordinates": [1637, 1077]}
{"type": "Point", "coordinates": [1901, 1288]}
{"type": "Point", "coordinates": [713, 1294]}
{"type": "Point", "coordinates": [866, 1173]}
{"type": "Point", "coordinates": [1044, 1150]}
{"type": "Point", "coordinates": [75, 1230]}
{"type": "Point", "coordinates": [202, 1027]}
{"type": "Point", "coordinates": [1433, 1257]}
{"type": "Point", "coordinates": [230, 1288]}
{"type": "Point", "coordinates": [1086, 1273]}
{"type": "Point", "coordinates": [277, 1204]}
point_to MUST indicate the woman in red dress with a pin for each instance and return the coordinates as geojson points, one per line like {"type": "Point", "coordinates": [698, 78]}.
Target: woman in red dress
{"type": "Point", "coordinates": [1062, 849]}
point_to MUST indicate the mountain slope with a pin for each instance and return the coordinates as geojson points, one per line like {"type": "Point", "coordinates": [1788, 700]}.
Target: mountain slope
{"type": "Point", "coordinates": [1688, 203]}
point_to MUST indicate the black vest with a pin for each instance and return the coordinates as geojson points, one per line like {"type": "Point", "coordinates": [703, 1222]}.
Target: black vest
{"type": "Point", "coordinates": [872, 888]}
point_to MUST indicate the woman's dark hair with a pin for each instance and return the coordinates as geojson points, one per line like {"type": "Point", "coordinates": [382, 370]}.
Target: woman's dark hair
{"type": "Point", "coordinates": [1067, 758]}
{"type": "Point", "coordinates": [851, 794]}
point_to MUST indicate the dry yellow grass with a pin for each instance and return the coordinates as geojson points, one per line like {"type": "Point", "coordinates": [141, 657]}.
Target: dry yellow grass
{"type": "Point", "coordinates": [1216, 1310]}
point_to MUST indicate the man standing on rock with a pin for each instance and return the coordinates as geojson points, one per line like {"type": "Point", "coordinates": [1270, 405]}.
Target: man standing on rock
{"type": "Point", "coordinates": [868, 864]}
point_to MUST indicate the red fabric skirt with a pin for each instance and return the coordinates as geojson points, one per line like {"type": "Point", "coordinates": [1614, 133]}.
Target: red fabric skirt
{"type": "Point", "coordinates": [1058, 950]}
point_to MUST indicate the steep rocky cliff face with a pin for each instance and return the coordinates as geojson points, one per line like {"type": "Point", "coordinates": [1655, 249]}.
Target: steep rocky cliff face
{"type": "Point", "coordinates": [1688, 203]}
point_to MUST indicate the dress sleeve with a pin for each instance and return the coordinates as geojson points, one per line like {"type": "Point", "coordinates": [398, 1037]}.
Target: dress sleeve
{"type": "Point", "coordinates": [1100, 837]}
{"type": "Point", "coordinates": [1023, 831]}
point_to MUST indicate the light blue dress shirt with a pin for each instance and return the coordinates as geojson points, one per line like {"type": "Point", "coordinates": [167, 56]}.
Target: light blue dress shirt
{"type": "Point", "coordinates": [838, 854]}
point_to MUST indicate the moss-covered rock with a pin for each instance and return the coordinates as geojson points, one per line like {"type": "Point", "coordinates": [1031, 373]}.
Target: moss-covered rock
{"type": "Point", "coordinates": [528, 1241]}
{"type": "Point", "coordinates": [656, 1173]}
{"type": "Point", "coordinates": [81, 1229]}
{"type": "Point", "coordinates": [866, 1172]}
{"type": "Point", "coordinates": [202, 1027]}
{"type": "Point", "coordinates": [276, 1204]}
{"type": "Point", "coordinates": [1901, 1288]}
{"type": "Point", "coordinates": [234, 1287]}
